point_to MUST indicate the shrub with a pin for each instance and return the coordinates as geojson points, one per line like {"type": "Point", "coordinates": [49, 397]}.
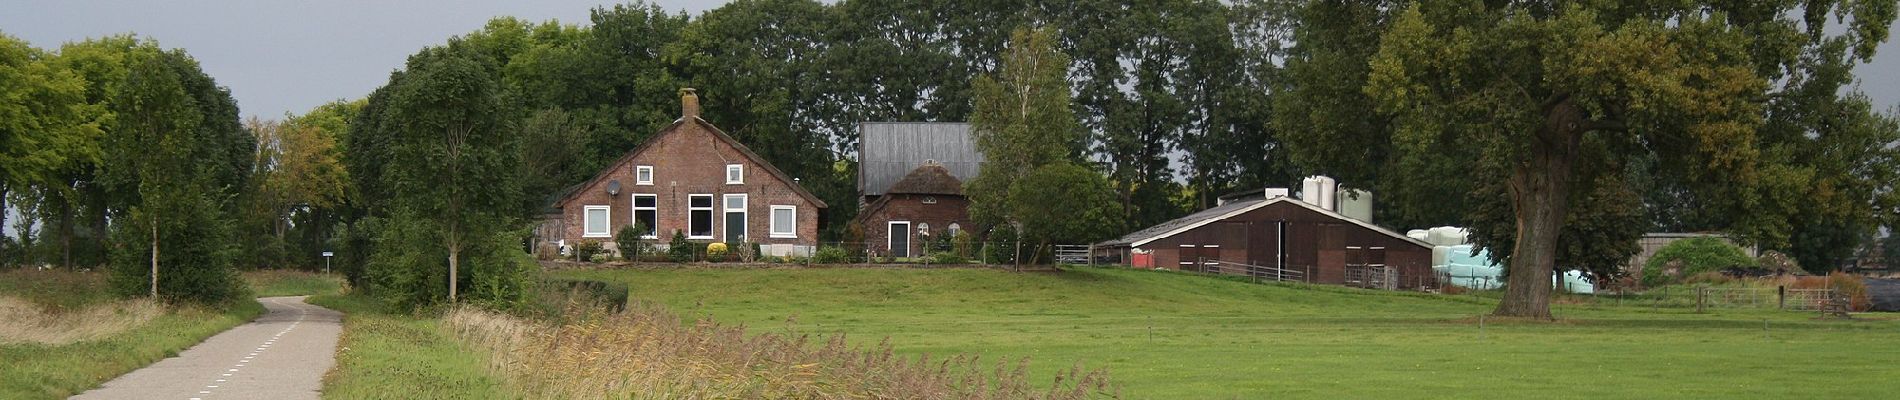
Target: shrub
{"type": "Point", "coordinates": [556, 295]}
{"type": "Point", "coordinates": [410, 266]}
{"type": "Point", "coordinates": [586, 249]}
{"type": "Point", "coordinates": [196, 255]}
{"type": "Point", "coordinates": [854, 243]}
{"type": "Point", "coordinates": [830, 255]}
{"type": "Point", "coordinates": [629, 241]}
{"type": "Point", "coordinates": [681, 250]}
{"type": "Point", "coordinates": [716, 252]}
{"type": "Point", "coordinates": [1775, 261]}
{"type": "Point", "coordinates": [1689, 257]}
{"type": "Point", "coordinates": [963, 244]}
{"type": "Point", "coordinates": [1851, 287]}
{"type": "Point", "coordinates": [1002, 245]}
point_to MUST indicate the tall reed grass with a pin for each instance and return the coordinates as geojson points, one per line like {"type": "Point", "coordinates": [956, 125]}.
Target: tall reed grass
{"type": "Point", "coordinates": [23, 321]}
{"type": "Point", "coordinates": [643, 351]}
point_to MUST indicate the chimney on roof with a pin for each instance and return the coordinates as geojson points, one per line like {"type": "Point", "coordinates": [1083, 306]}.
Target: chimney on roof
{"type": "Point", "coordinates": [689, 103]}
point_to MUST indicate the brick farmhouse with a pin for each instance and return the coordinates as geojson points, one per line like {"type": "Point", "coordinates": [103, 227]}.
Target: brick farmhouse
{"type": "Point", "coordinates": [910, 182]}
{"type": "Point", "coordinates": [692, 178]}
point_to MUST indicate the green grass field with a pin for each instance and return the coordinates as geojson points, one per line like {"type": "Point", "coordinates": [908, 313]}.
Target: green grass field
{"type": "Point", "coordinates": [1166, 335]}
{"type": "Point", "coordinates": [292, 283]}
{"type": "Point", "coordinates": [385, 354]}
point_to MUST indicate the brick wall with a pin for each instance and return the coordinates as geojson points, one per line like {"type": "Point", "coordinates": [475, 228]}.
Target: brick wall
{"type": "Point", "coordinates": [691, 160]}
{"type": "Point", "coordinates": [911, 207]}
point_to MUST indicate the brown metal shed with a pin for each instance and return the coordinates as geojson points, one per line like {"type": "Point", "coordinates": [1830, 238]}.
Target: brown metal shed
{"type": "Point", "coordinates": [1281, 233]}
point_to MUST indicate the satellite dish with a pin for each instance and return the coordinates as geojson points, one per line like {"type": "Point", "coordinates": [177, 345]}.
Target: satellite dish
{"type": "Point", "coordinates": [613, 187]}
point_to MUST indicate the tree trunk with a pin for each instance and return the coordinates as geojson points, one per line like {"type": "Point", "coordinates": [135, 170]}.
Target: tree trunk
{"type": "Point", "coordinates": [1540, 189]}
{"type": "Point", "coordinates": [100, 208]}
{"type": "Point", "coordinates": [3, 222]}
{"type": "Point", "coordinates": [154, 256]}
{"type": "Point", "coordinates": [455, 250]}
{"type": "Point", "coordinates": [66, 211]}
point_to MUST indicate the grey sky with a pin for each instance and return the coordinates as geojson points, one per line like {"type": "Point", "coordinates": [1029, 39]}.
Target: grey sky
{"type": "Point", "coordinates": [281, 56]}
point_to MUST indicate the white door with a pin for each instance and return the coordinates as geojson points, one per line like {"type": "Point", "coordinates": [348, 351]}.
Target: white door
{"type": "Point", "coordinates": [898, 239]}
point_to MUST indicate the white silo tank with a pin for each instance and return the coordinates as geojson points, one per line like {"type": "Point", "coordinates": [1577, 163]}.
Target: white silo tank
{"type": "Point", "coordinates": [1356, 204]}
{"type": "Point", "coordinates": [1309, 190]}
{"type": "Point", "coordinates": [1328, 193]}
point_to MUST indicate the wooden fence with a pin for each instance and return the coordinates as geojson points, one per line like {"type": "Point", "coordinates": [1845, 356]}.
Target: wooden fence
{"type": "Point", "coordinates": [1256, 272]}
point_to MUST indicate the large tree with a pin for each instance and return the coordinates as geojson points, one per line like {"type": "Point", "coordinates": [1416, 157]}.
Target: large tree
{"type": "Point", "coordinates": [452, 165]}
{"type": "Point", "coordinates": [172, 148]}
{"type": "Point", "coordinates": [1022, 122]}
{"type": "Point", "coordinates": [44, 126]}
{"type": "Point", "coordinates": [1536, 87]}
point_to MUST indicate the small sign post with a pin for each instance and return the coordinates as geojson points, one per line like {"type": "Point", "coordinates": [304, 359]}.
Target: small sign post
{"type": "Point", "coordinates": [326, 261]}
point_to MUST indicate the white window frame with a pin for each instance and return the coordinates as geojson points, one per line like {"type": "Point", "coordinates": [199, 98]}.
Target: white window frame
{"type": "Point", "coordinates": [643, 169]}
{"type": "Point", "coordinates": [745, 216]}
{"type": "Point", "coordinates": [735, 169]}
{"type": "Point", "coordinates": [585, 226]}
{"type": "Point", "coordinates": [930, 199]}
{"type": "Point", "coordinates": [635, 205]}
{"type": "Point", "coordinates": [709, 209]}
{"type": "Point", "coordinates": [791, 231]}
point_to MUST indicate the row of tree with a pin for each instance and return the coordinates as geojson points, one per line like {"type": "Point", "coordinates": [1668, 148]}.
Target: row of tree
{"type": "Point", "coordinates": [1557, 130]}
{"type": "Point", "coordinates": [116, 151]}
{"type": "Point", "coordinates": [1561, 131]}
{"type": "Point", "coordinates": [522, 110]}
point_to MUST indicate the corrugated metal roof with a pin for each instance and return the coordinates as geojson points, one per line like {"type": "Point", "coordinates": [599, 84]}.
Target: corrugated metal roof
{"type": "Point", "coordinates": [1191, 220]}
{"type": "Point", "coordinates": [889, 150]}
{"type": "Point", "coordinates": [1231, 209]}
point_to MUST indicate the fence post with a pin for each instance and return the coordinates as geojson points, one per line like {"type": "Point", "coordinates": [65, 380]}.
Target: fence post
{"type": "Point", "coordinates": [1781, 299]}
{"type": "Point", "coordinates": [1701, 296]}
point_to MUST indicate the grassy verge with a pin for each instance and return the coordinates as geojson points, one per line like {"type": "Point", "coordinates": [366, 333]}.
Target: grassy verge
{"type": "Point", "coordinates": [292, 283]}
{"type": "Point", "coordinates": [386, 354]}
{"type": "Point", "coordinates": [1164, 335]}
{"type": "Point", "coordinates": [34, 371]}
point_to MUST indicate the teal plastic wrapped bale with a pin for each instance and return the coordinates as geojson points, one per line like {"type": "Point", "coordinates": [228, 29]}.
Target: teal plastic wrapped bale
{"type": "Point", "coordinates": [1574, 282]}
{"type": "Point", "coordinates": [1470, 276]}
{"type": "Point", "coordinates": [1462, 254]}
{"type": "Point", "coordinates": [1464, 269]}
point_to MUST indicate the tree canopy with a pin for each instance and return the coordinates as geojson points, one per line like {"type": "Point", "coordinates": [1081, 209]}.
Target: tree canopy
{"type": "Point", "coordinates": [1546, 111]}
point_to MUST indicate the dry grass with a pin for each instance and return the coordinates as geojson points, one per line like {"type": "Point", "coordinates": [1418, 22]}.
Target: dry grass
{"type": "Point", "coordinates": [56, 289]}
{"type": "Point", "coordinates": [27, 322]}
{"type": "Point", "coordinates": [643, 351]}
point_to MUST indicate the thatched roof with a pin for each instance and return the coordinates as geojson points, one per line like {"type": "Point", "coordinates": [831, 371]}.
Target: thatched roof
{"type": "Point", "coordinates": [930, 178]}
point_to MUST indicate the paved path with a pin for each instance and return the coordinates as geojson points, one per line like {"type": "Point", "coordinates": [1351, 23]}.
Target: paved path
{"type": "Point", "coordinates": [281, 355]}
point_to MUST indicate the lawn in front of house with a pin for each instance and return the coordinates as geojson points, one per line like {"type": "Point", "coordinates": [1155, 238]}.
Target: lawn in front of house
{"type": "Point", "coordinates": [1167, 335]}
